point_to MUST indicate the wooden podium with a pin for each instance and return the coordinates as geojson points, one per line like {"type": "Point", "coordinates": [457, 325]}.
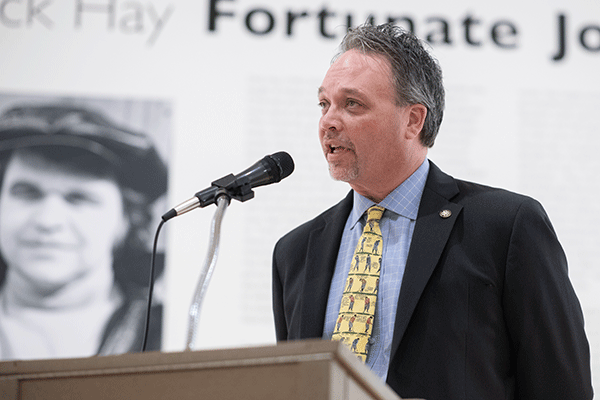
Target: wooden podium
{"type": "Point", "coordinates": [304, 370]}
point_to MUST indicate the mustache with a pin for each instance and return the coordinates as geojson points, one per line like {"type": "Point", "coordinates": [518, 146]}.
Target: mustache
{"type": "Point", "coordinates": [331, 142]}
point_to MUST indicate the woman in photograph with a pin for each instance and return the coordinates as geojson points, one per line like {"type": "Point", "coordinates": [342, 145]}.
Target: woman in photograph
{"type": "Point", "coordinates": [75, 198]}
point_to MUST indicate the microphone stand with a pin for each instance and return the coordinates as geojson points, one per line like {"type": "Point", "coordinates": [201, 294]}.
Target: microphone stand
{"type": "Point", "coordinates": [227, 188]}
{"type": "Point", "coordinates": [207, 269]}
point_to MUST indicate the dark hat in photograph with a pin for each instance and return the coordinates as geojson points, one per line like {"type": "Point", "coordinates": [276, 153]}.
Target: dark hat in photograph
{"type": "Point", "coordinates": [133, 154]}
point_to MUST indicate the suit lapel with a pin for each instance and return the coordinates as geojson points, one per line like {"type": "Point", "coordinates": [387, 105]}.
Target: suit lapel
{"type": "Point", "coordinates": [431, 233]}
{"type": "Point", "coordinates": [322, 252]}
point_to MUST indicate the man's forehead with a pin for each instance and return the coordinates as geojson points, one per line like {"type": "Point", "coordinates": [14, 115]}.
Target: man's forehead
{"type": "Point", "coordinates": [355, 59]}
{"type": "Point", "coordinates": [353, 64]}
{"type": "Point", "coordinates": [31, 166]}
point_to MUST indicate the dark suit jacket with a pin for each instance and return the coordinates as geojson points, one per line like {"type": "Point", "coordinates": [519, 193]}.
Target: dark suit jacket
{"type": "Point", "coordinates": [486, 309]}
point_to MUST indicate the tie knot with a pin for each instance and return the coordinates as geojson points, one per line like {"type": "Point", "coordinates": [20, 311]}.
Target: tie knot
{"type": "Point", "coordinates": [374, 213]}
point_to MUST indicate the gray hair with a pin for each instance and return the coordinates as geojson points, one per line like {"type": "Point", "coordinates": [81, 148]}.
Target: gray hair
{"type": "Point", "coordinates": [417, 75]}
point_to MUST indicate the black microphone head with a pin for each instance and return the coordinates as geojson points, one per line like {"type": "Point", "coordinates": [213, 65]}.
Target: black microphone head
{"type": "Point", "coordinates": [285, 164]}
{"type": "Point", "coordinates": [271, 169]}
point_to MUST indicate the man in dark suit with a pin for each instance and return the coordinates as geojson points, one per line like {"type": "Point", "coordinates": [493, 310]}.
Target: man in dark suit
{"type": "Point", "coordinates": [474, 299]}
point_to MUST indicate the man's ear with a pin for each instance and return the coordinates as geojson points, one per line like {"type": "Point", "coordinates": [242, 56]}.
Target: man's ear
{"type": "Point", "coordinates": [416, 119]}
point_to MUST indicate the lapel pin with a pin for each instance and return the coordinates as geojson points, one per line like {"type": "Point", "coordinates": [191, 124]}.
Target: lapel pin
{"type": "Point", "coordinates": [445, 214]}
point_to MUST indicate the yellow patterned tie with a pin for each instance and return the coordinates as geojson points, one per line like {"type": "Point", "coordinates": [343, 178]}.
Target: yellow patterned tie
{"type": "Point", "coordinates": [355, 321]}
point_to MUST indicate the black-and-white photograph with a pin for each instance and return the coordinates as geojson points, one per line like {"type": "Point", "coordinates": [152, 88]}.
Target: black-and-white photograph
{"type": "Point", "coordinates": [80, 181]}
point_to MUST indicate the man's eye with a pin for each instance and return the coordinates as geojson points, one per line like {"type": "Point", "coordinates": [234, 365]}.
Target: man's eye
{"type": "Point", "coordinates": [77, 198]}
{"type": "Point", "coordinates": [324, 106]}
{"type": "Point", "coordinates": [25, 191]}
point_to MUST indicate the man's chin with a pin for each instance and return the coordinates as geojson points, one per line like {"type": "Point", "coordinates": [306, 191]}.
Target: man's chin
{"type": "Point", "coordinates": [50, 276]}
{"type": "Point", "coordinates": [343, 174]}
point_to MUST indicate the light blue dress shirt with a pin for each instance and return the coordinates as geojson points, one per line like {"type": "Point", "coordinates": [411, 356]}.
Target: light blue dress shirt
{"type": "Point", "coordinates": [397, 226]}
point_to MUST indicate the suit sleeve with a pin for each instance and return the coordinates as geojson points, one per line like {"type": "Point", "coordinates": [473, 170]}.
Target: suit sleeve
{"type": "Point", "coordinates": [544, 318]}
{"type": "Point", "coordinates": [278, 309]}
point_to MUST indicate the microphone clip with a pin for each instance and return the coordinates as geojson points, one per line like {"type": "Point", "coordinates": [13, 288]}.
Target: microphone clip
{"type": "Point", "coordinates": [234, 188]}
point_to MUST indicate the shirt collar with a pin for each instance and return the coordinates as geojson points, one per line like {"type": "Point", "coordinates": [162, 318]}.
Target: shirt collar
{"type": "Point", "coordinates": [404, 200]}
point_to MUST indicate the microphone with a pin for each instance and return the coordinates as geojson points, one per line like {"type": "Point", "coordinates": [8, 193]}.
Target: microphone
{"type": "Point", "coordinates": [271, 169]}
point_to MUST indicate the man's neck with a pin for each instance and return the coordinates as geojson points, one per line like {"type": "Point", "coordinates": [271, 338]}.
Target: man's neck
{"type": "Point", "coordinates": [378, 189]}
{"type": "Point", "coordinates": [19, 292]}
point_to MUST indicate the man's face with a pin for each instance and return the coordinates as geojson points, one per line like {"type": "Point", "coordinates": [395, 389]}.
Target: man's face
{"type": "Point", "coordinates": [57, 225]}
{"type": "Point", "coordinates": [362, 129]}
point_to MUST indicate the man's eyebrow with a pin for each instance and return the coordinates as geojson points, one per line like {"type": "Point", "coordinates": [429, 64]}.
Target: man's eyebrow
{"type": "Point", "coordinates": [351, 91]}
{"type": "Point", "coordinates": [21, 183]}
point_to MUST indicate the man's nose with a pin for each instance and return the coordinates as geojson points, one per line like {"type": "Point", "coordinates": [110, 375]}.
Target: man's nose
{"type": "Point", "coordinates": [330, 121]}
{"type": "Point", "coordinates": [51, 212]}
